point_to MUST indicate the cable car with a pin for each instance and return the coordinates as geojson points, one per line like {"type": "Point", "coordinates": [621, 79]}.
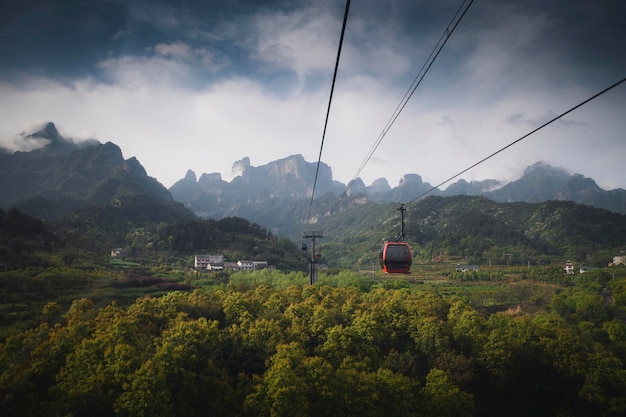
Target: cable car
{"type": "Point", "coordinates": [395, 256]}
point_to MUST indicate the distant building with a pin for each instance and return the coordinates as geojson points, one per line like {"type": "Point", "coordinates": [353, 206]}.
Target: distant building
{"type": "Point", "coordinates": [202, 261]}
{"type": "Point", "coordinates": [584, 269]}
{"type": "Point", "coordinates": [118, 253]}
{"type": "Point", "coordinates": [466, 268]}
{"type": "Point", "coordinates": [215, 266]}
{"type": "Point", "coordinates": [231, 265]}
{"type": "Point", "coordinates": [568, 267]}
{"type": "Point", "coordinates": [245, 265]}
{"type": "Point", "coordinates": [619, 260]}
{"type": "Point", "coordinates": [260, 264]}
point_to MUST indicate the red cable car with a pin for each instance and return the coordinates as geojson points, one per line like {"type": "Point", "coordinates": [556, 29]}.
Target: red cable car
{"type": "Point", "coordinates": [395, 257]}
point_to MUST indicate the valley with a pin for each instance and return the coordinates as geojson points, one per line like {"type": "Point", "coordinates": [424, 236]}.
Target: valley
{"type": "Point", "coordinates": [486, 323]}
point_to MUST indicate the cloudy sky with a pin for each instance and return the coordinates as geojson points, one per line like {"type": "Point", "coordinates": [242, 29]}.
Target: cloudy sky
{"type": "Point", "coordinates": [201, 84]}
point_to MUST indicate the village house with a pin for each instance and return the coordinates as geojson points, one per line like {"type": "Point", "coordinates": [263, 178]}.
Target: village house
{"type": "Point", "coordinates": [568, 267]}
{"type": "Point", "coordinates": [259, 264]}
{"type": "Point", "coordinates": [466, 268]}
{"type": "Point", "coordinates": [231, 265]}
{"type": "Point", "coordinates": [245, 265]}
{"type": "Point", "coordinates": [216, 263]}
{"type": "Point", "coordinates": [202, 261]}
{"type": "Point", "coordinates": [215, 266]}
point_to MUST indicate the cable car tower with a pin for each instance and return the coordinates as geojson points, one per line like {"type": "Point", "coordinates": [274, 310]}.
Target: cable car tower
{"type": "Point", "coordinates": [402, 210]}
{"type": "Point", "coordinates": [314, 255]}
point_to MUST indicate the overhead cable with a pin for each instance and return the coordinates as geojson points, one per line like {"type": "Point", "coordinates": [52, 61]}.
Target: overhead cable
{"type": "Point", "coordinates": [330, 99]}
{"type": "Point", "coordinates": [454, 22]}
{"type": "Point", "coordinates": [520, 139]}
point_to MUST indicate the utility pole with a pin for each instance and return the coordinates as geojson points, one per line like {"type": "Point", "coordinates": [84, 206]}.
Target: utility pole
{"type": "Point", "coordinates": [402, 210]}
{"type": "Point", "coordinates": [313, 258]}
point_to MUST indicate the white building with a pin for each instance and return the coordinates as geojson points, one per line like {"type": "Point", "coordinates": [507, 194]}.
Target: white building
{"type": "Point", "coordinates": [259, 264]}
{"type": "Point", "coordinates": [245, 265]}
{"type": "Point", "coordinates": [568, 267]}
{"type": "Point", "coordinates": [202, 261]}
{"type": "Point", "coordinates": [215, 266]}
{"type": "Point", "coordinates": [231, 265]}
{"type": "Point", "coordinates": [466, 268]}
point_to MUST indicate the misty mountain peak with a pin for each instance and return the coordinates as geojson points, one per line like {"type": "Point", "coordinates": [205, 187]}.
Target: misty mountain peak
{"type": "Point", "coordinates": [206, 178]}
{"type": "Point", "coordinates": [241, 166]}
{"type": "Point", "coordinates": [381, 185]}
{"type": "Point", "coordinates": [48, 131]}
{"type": "Point", "coordinates": [45, 136]}
{"type": "Point", "coordinates": [358, 186]}
{"type": "Point", "coordinates": [53, 140]}
{"type": "Point", "coordinates": [543, 168]}
{"type": "Point", "coordinates": [411, 178]}
{"type": "Point", "coordinates": [190, 176]}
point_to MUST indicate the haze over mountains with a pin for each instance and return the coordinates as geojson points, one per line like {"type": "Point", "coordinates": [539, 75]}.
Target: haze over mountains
{"type": "Point", "coordinates": [63, 176]}
{"type": "Point", "coordinates": [292, 177]}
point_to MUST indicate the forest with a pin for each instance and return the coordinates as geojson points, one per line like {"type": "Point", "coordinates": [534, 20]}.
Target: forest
{"type": "Point", "coordinates": [81, 334]}
{"type": "Point", "coordinates": [268, 344]}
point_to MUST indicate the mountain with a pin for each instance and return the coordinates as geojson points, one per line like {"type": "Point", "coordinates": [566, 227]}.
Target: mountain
{"type": "Point", "coordinates": [58, 177]}
{"type": "Point", "coordinates": [290, 177]}
{"type": "Point", "coordinates": [410, 187]}
{"type": "Point", "coordinates": [62, 176]}
{"type": "Point", "coordinates": [261, 194]}
{"type": "Point", "coordinates": [478, 225]}
{"type": "Point", "coordinates": [22, 174]}
{"type": "Point", "coordinates": [277, 195]}
{"type": "Point", "coordinates": [542, 182]}
{"type": "Point", "coordinates": [379, 186]}
{"type": "Point", "coordinates": [462, 187]}
{"type": "Point", "coordinates": [478, 230]}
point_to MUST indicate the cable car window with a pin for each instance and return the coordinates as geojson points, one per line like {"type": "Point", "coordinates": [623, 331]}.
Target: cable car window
{"type": "Point", "coordinates": [398, 252]}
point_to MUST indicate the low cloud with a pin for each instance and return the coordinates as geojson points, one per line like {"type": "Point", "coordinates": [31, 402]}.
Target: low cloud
{"type": "Point", "coordinates": [20, 143]}
{"type": "Point", "coordinates": [164, 64]}
{"type": "Point", "coordinates": [181, 52]}
{"type": "Point", "coordinates": [181, 103]}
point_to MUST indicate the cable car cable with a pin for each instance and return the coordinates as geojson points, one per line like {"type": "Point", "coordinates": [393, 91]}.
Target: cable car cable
{"type": "Point", "coordinates": [395, 257]}
{"type": "Point", "coordinates": [330, 99]}
{"type": "Point", "coordinates": [454, 22]}
{"type": "Point", "coordinates": [447, 33]}
{"type": "Point", "coordinates": [520, 139]}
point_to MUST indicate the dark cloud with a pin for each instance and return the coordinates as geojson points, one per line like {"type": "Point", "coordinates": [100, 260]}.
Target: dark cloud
{"type": "Point", "coordinates": [259, 71]}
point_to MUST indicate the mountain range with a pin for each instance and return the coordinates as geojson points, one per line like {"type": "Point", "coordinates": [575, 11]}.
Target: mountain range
{"type": "Point", "coordinates": [292, 178]}
{"type": "Point", "coordinates": [64, 176]}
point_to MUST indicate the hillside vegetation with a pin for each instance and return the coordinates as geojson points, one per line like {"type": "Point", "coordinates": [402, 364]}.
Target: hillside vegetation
{"type": "Point", "coordinates": [82, 334]}
{"type": "Point", "coordinates": [479, 231]}
{"type": "Point", "coordinates": [94, 231]}
{"type": "Point", "coordinates": [268, 344]}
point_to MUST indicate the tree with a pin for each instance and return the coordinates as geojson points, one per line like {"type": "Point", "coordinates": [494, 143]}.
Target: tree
{"type": "Point", "coordinates": [282, 392]}
{"type": "Point", "coordinates": [605, 384]}
{"type": "Point", "coordinates": [182, 377]}
{"type": "Point", "coordinates": [440, 398]}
